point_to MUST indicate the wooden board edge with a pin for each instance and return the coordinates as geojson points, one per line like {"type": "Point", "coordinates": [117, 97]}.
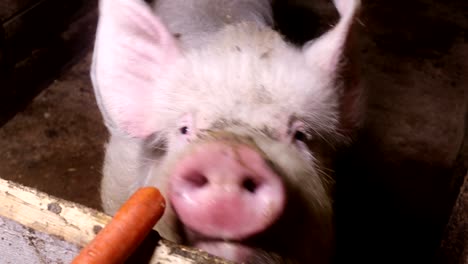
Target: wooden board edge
{"type": "Point", "coordinates": [77, 225]}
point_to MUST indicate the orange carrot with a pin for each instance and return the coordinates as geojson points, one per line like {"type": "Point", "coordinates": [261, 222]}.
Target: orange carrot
{"type": "Point", "coordinates": [127, 229]}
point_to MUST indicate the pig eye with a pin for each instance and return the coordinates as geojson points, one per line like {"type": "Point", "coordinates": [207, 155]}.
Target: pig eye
{"type": "Point", "coordinates": [298, 133]}
{"type": "Point", "coordinates": [300, 136]}
{"type": "Point", "coordinates": [184, 130]}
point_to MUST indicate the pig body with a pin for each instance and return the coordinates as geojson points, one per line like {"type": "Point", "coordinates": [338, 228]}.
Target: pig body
{"type": "Point", "coordinates": [195, 22]}
{"type": "Point", "coordinates": [208, 103]}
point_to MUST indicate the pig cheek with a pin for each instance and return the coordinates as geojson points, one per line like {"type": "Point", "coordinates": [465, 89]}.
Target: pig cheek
{"type": "Point", "coordinates": [178, 143]}
{"type": "Point", "coordinates": [167, 226]}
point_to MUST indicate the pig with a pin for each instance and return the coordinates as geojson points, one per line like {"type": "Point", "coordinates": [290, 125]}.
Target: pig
{"type": "Point", "coordinates": [204, 100]}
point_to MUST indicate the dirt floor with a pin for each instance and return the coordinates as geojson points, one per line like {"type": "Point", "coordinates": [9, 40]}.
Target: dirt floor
{"type": "Point", "coordinates": [403, 172]}
{"type": "Point", "coordinates": [56, 144]}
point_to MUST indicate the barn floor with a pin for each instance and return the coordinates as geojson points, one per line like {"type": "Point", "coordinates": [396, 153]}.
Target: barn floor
{"type": "Point", "coordinates": [410, 157]}
{"type": "Point", "coordinates": [56, 144]}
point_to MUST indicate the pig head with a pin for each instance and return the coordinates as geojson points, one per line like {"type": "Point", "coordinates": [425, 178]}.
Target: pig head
{"type": "Point", "coordinates": [233, 130]}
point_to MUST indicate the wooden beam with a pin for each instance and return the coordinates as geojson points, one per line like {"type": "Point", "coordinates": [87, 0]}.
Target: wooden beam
{"type": "Point", "coordinates": [38, 228]}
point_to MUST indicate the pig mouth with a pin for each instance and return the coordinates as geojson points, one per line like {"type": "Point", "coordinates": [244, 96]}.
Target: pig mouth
{"type": "Point", "coordinates": [238, 251]}
{"type": "Point", "coordinates": [230, 250]}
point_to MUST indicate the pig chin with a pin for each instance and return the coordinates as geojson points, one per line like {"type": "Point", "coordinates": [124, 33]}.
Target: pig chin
{"type": "Point", "coordinates": [232, 251]}
{"type": "Point", "coordinates": [236, 251]}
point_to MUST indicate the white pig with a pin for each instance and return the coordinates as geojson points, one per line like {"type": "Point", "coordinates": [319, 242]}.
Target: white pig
{"type": "Point", "coordinates": [206, 101]}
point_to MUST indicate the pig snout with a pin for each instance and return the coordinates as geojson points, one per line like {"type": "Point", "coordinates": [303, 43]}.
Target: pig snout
{"type": "Point", "coordinates": [226, 191]}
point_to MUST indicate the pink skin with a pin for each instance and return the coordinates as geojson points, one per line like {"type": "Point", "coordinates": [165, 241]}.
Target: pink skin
{"type": "Point", "coordinates": [225, 192]}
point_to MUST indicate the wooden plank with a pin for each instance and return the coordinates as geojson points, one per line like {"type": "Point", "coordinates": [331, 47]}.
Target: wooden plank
{"type": "Point", "coordinates": [49, 215]}
{"type": "Point", "coordinates": [38, 228]}
{"type": "Point", "coordinates": [20, 244]}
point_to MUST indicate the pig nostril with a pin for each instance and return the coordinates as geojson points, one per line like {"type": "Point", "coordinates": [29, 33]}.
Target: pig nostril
{"type": "Point", "coordinates": [250, 185]}
{"type": "Point", "coordinates": [197, 180]}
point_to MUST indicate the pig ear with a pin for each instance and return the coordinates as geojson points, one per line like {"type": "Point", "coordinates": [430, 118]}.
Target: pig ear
{"type": "Point", "coordinates": [326, 54]}
{"type": "Point", "coordinates": [132, 50]}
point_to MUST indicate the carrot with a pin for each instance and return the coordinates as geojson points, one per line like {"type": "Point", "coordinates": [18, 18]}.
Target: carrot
{"type": "Point", "coordinates": [127, 229]}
